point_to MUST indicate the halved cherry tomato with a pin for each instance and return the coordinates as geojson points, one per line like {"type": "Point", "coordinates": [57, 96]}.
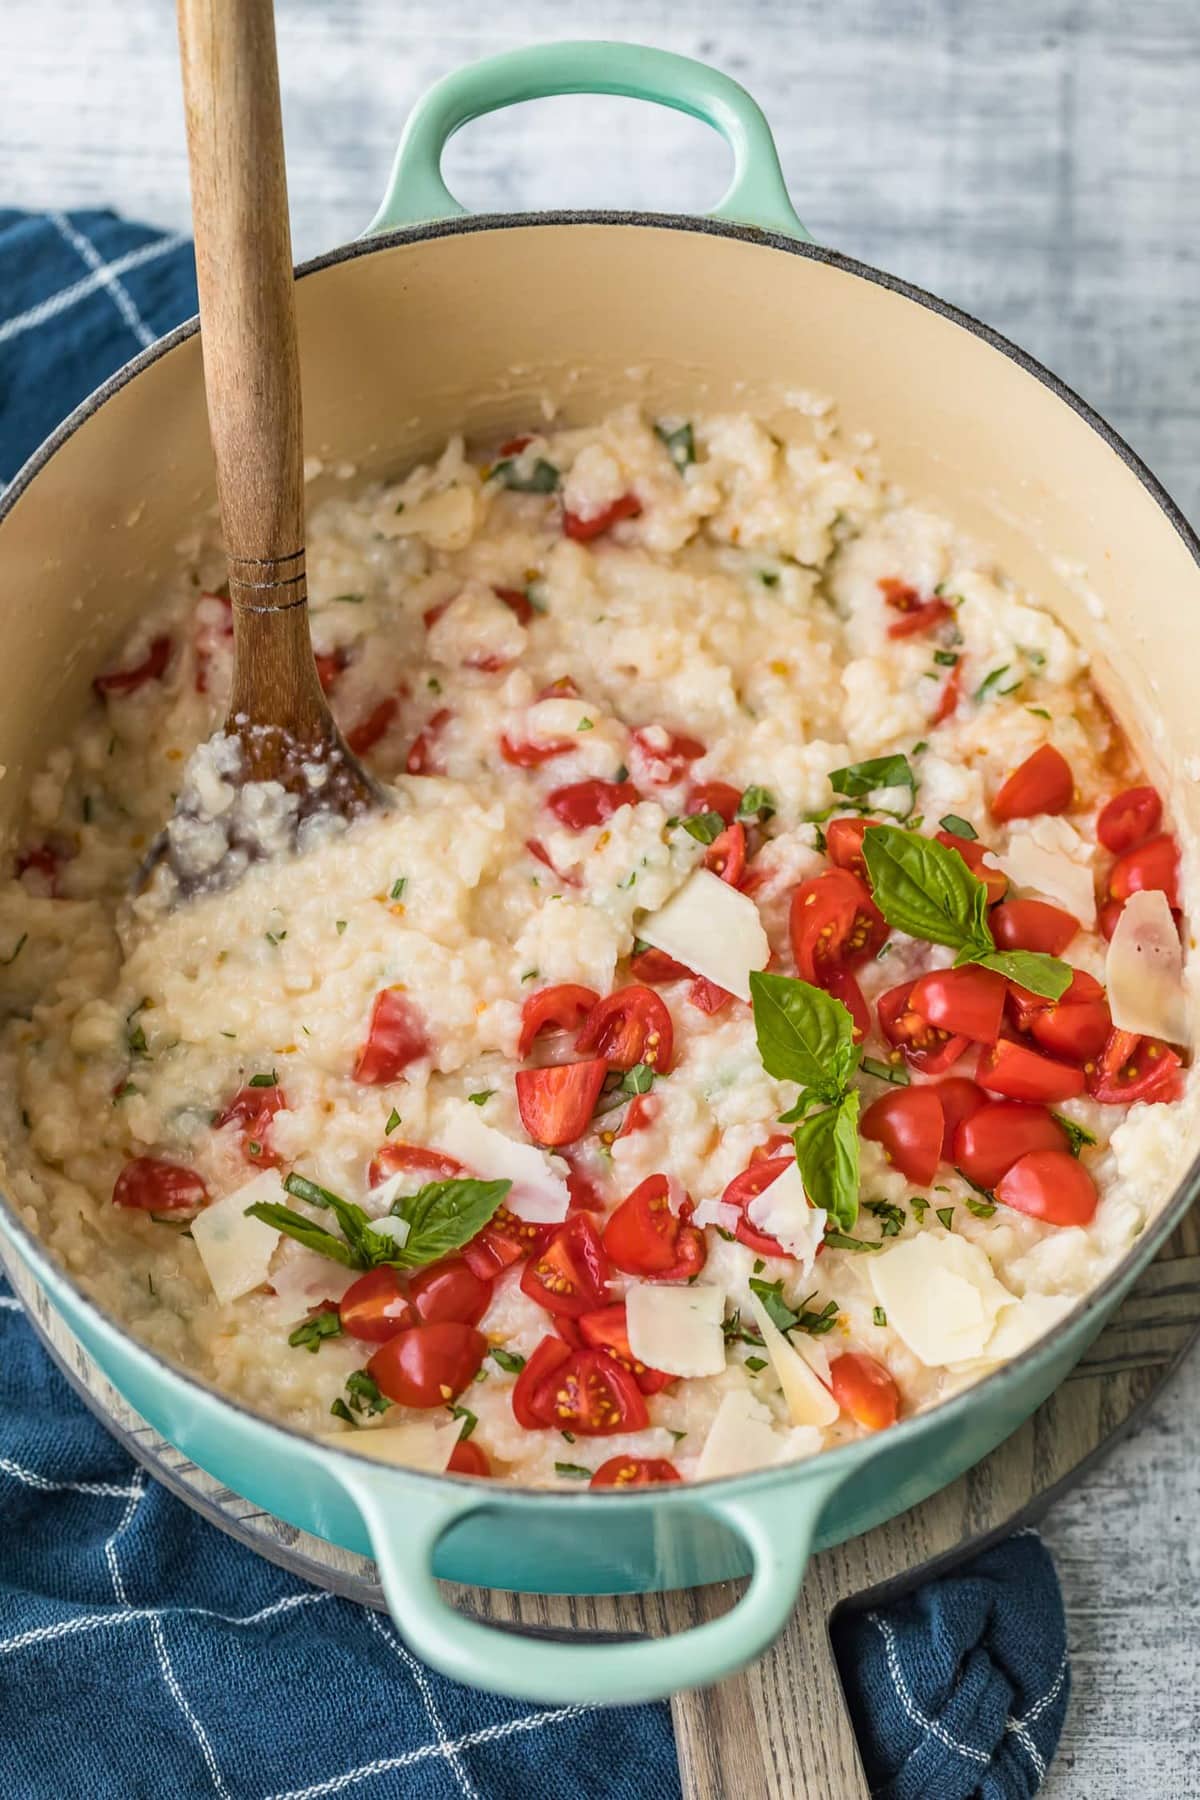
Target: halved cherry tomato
{"type": "Point", "coordinates": [1033, 925]}
{"type": "Point", "coordinates": [640, 1113]}
{"type": "Point", "coordinates": [591, 1395]}
{"type": "Point", "coordinates": [467, 1458]}
{"type": "Point", "coordinates": [834, 924]}
{"type": "Point", "coordinates": [253, 1108]}
{"type": "Point", "coordinates": [428, 1165]}
{"type": "Point", "coordinates": [842, 986]}
{"type": "Point", "coordinates": [395, 1038]}
{"type": "Point", "coordinates": [1129, 819]}
{"type": "Point", "coordinates": [863, 1388]}
{"type": "Point", "coordinates": [1025, 1005]}
{"type": "Point", "coordinates": [330, 664]}
{"type": "Point", "coordinates": [366, 734]}
{"type": "Point", "coordinates": [992, 1138]}
{"type": "Point", "coordinates": [1077, 1026]}
{"type": "Point", "coordinates": [925, 1047]}
{"type": "Point", "coordinates": [950, 696]}
{"type": "Point", "coordinates": [584, 803]}
{"type": "Point", "coordinates": [1154, 864]}
{"type": "Point", "coordinates": [125, 681]}
{"type": "Point", "coordinates": [1051, 1185]}
{"type": "Point", "coordinates": [1134, 1068]}
{"type": "Point", "coordinates": [585, 1193]}
{"type": "Point", "coordinates": [428, 1365]}
{"type": "Point", "coordinates": [607, 1330]}
{"type": "Point", "coordinates": [726, 855]}
{"type": "Point", "coordinates": [662, 765]}
{"type": "Point", "coordinates": [1022, 1074]}
{"type": "Point", "coordinates": [644, 1237]}
{"type": "Point", "coordinates": [714, 796]}
{"type": "Point", "coordinates": [973, 853]}
{"type": "Point", "coordinates": [432, 614]}
{"type": "Point", "coordinates": [376, 1307]}
{"type": "Point", "coordinates": [154, 1185]}
{"type": "Point", "coordinates": [634, 1472]}
{"type": "Point", "coordinates": [655, 965]}
{"type": "Point", "coordinates": [707, 997]}
{"type": "Point", "coordinates": [562, 1007]}
{"type": "Point", "coordinates": [761, 1171]}
{"type": "Point", "coordinates": [967, 1002]}
{"type": "Point", "coordinates": [523, 755]}
{"type": "Point", "coordinates": [582, 531]}
{"type": "Point", "coordinates": [422, 758]}
{"type": "Point", "coordinates": [1042, 784]}
{"type": "Point", "coordinates": [517, 602]}
{"type": "Point", "coordinates": [916, 615]}
{"type": "Point", "coordinates": [1107, 918]}
{"type": "Point", "coordinates": [546, 1360]}
{"type": "Point", "coordinates": [960, 1098]}
{"type": "Point", "coordinates": [556, 1103]}
{"type": "Point", "coordinates": [449, 1290]}
{"type": "Point", "coordinates": [627, 1027]}
{"type": "Point", "coordinates": [569, 1274]}
{"type": "Point", "coordinates": [843, 844]}
{"type": "Point", "coordinates": [908, 1123]}
{"type": "Point", "coordinates": [543, 856]}
{"type": "Point", "coordinates": [504, 1240]}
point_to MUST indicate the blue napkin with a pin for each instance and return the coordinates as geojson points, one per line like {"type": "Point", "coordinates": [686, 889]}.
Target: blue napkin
{"type": "Point", "coordinates": [142, 1652]}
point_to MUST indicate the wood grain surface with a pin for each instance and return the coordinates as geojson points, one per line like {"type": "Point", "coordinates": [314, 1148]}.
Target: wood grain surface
{"type": "Point", "coordinates": [1035, 162]}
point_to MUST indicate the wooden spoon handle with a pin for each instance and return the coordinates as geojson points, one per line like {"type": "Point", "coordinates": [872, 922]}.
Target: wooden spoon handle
{"type": "Point", "coordinates": [244, 272]}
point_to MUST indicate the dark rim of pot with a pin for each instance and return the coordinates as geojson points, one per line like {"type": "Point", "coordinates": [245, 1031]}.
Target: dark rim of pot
{"type": "Point", "coordinates": [1159, 1228]}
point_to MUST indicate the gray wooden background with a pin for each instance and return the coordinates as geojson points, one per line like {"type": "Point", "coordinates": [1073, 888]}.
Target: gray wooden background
{"type": "Point", "coordinates": [1038, 163]}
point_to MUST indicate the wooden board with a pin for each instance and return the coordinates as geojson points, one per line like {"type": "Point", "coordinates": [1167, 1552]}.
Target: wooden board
{"type": "Point", "coordinates": [779, 1730]}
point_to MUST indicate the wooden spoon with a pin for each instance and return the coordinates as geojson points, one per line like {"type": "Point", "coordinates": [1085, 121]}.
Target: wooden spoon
{"type": "Point", "coordinates": [277, 711]}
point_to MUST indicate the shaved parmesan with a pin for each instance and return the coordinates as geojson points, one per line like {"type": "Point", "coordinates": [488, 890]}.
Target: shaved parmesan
{"type": "Point", "coordinates": [302, 1277]}
{"type": "Point", "coordinates": [676, 1329]}
{"type": "Point", "coordinates": [420, 1444]}
{"type": "Point", "coordinates": [809, 1401]}
{"type": "Point", "coordinates": [742, 1436]}
{"type": "Point", "coordinates": [237, 1251]}
{"type": "Point", "coordinates": [940, 1296]}
{"type": "Point", "coordinates": [782, 1211]}
{"type": "Point", "coordinates": [716, 1212]}
{"type": "Point", "coordinates": [711, 929]}
{"type": "Point", "coordinates": [1053, 860]}
{"type": "Point", "coordinates": [1144, 971]}
{"type": "Point", "coordinates": [539, 1188]}
{"type": "Point", "coordinates": [1020, 1325]}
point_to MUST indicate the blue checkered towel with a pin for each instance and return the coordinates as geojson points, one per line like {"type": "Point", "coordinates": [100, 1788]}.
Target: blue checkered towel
{"type": "Point", "coordinates": [142, 1653]}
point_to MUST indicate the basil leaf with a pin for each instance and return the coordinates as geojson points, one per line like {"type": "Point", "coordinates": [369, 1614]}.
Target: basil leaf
{"type": "Point", "coordinates": [897, 1073]}
{"type": "Point", "coordinates": [804, 1034]}
{"type": "Point", "coordinates": [362, 1391]}
{"type": "Point", "coordinates": [926, 890]}
{"type": "Point", "coordinates": [774, 1305]}
{"type": "Point", "coordinates": [313, 1237]}
{"type": "Point", "coordinates": [705, 827]}
{"type": "Point", "coordinates": [1041, 974]}
{"type": "Point", "coordinates": [680, 443]}
{"type": "Point", "coordinates": [891, 1218]}
{"type": "Point", "coordinates": [958, 827]}
{"type": "Point", "coordinates": [755, 804]}
{"type": "Point", "coordinates": [369, 1246]}
{"type": "Point", "coordinates": [638, 1080]}
{"type": "Point", "coordinates": [508, 1360]}
{"type": "Point", "coordinates": [878, 772]}
{"type": "Point", "coordinates": [827, 1158]}
{"type": "Point", "coordinates": [543, 478]}
{"type": "Point", "coordinates": [444, 1215]}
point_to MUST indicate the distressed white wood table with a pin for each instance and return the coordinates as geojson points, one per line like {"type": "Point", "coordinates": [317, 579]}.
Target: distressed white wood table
{"type": "Point", "coordinates": [1035, 162]}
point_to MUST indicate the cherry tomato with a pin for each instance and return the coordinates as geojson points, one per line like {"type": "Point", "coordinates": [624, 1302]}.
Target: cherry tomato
{"type": "Point", "coordinates": [640, 1113]}
{"type": "Point", "coordinates": [1022, 1074]}
{"type": "Point", "coordinates": [1129, 819]}
{"type": "Point", "coordinates": [644, 1237]}
{"type": "Point", "coordinates": [1051, 1185]}
{"type": "Point", "coordinates": [916, 615]}
{"type": "Point", "coordinates": [1032, 925]}
{"type": "Point", "coordinates": [959, 1098]}
{"type": "Point", "coordinates": [330, 664]}
{"type": "Point", "coordinates": [842, 986]}
{"type": "Point", "coordinates": [607, 1330]}
{"type": "Point", "coordinates": [428, 1165]}
{"type": "Point", "coordinates": [1135, 1068]}
{"type": "Point", "coordinates": [549, 1357]}
{"type": "Point", "coordinates": [449, 1290]}
{"type": "Point", "coordinates": [561, 1007]}
{"type": "Point", "coordinates": [908, 1123]}
{"type": "Point", "coordinates": [428, 1365]}
{"type": "Point", "coordinates": [395, 1038]}
{"type": "Point", "coordinates": [582, 531]}
{"type": "Point", "coordinates": [43, 860]}
{"type": "Point", "coordinates": [1154, 864]}
{"type": "Point", "coordinates": [543, 856]}
{"type": "Point", "coordinates": [863, 1388]}
{"type": "Point", "coordinates": [925, 1047]}
{"type": "Point", "coordinates": [253, 1109]}
{"type": "Point", "coordinates": [1042, 784]}
{"type": "Point", "coordinates": [834, 924]}
{"type": "Point", "coordinates": [590, 1394]}
{"type": "Point", "coordinates": [214, 631]}
{"type": "Point", "coordinates": [714, 796]}
{"type": "Point", "coordinates": [843, 844]}
{"type": "Point", "coordinates": [628, 1027]}
{"type": "Point", "coordinates": [655, 965]}
{"type": "Point", "coordinates": [517, 602]}
{"type": "Point", "coordinates": [726, 855]}
{"type": "Point", "coordinates": [156, 1186]}
{"type": "Point", "coordinates": [759, 1174]}
{"type": "Point", "coordinates": [126, 681]}
{"type": "Point", "coordinates": [523, 755]}
{"type": "Point", "coordinates": [585, 1193]}
{"type": "Point", "coordinates": [467, 1458]}
{"type": "Point", "coordinates": [556, 1103]}
{"type": "Point", "coordinates": [366, 734]}
{"type": "Point", "coordinates": [1077, 1026]}
{"type": "Point", "coordinates": [950, 696]}
{"type": "Point", "coordinates": [504, 1240]}
{"type": "Point", "coordinates": [662, 765]}
{"type": "Point", "coordinates": [973, 853]}
{"type": "Point", "coordinates": [1107, 918]}
{"type": "Point", "coordinates": [584, 803]}
{"type": "Point", "coordinates": [1025, 1006]}
{"type": "Point", "coordinates": [422, 758]}
{"type": "Point", "coordinates": [967, 1002]}
{"type": "Point", "coordinates": [633, 1472]}
{"type": "Point", "coordinates": [990, 1140]}
{"type": "Point", "coordinates": [375, 1307]}
{"type": "Point", "coordinates": [569, 1274]}
{"type": "Point", "coordinates": [706, 996]}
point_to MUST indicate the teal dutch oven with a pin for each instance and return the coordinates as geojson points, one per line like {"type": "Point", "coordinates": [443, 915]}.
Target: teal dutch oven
{"type": "Point", "coordinates": [434, 322]}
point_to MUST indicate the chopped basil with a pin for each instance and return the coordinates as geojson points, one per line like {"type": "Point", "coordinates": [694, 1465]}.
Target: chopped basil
{"type": "Point", "coordinates": [837, 1240]}
{"type": "Point", "coordinates": [946, 1215]}
{"type": "Point", "coordinates": [982, 1209]}
{"type": "Point", "coordinates": [920, 1206]}
{"type": "Point", "coordinates": [340, 1410]}
{"type": "Point", "coordinates": [275, 938]}
{"type": "Point", "coordinates": [759, 1265]}
{"type": "Point", "coordinates": [469, 1421]}
{"type": "Point", "coordinates": [680, 444]}
{"type": "Point", "coordinates": [991, 683]}
{"type": "Point", "coordinates": [769, 577]}
{"type": "Point", "coordinates": [958, 827]}
{"type": "Point", "coordinates": [264, 1081]}
{"type": "Point", "coordinates": [542, 478]}
{"type": "Point", "coordinates": [621, 775]}
{"type": "Point", "coordinates": [393, 1121]}
{"type": "Point", "coordinates": [891, 1218]}
{"type": "Point", "coordinates": [860, 779]}
{"type": "Point", "coordinates": [879, 1316]}
{"type": "Point", "coordinates": [313, 1332]}
{"type": "Point", "coordinates": [356, 599]}
{"type": "Point", "coordinates": [755, 1363]}
{"type": "Point", "coordinates": [508, 1360]}
{"type": "Point", "coordinates": [568, 1436]}
{"type": "Point", "coordinates": [362, 1392]}
{"type": "Point", "coordinates": [677, 1435]}
{"type": "Point", "coordinates": [917, 748]}
{"type": "Point", "coordinates": [1077, 1136]}
{"type": "Point", "coordinates": [229, 1034]}
{"type": "Point", "coordinates": [945, 659]}
{"type": "Point", "coordinates": [314, 1237]}
{"type": "Point", "coordinates": [787, 1318]}
{"type": "Point", "coordinates": [638, 1080]}
{"type": "Point", "coordinates": [897, 1072]}
{"type": "Point", "coordinates": [755, 804]}
{"type": "Point", "coordinates": [530, 975]}
{"type": "Point", "coordinates": [1039, 712]}
{"type": "Point", "coordinates": [816, 1324]}
{"type": "Point", "coordinates": [135, 1036]}
{"type": "Point", "coordinates": [398, 887]}
{"type": "Point", "coordinates": [482, 1097]}
{"type": "Point", "coordinates": [705, 827]}
{"type": "Point", "coordinates": [575, 1470]}
{"type": "Point", "coordinates": [586, 725]}
{"type": "Point", "coordinates": [340, 925]}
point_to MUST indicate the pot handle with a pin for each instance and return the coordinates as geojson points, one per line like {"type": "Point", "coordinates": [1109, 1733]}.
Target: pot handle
{"type": "Point", "coordinates": [757, 195]}
{"type": "Point", "coordinates": [776, 1526]}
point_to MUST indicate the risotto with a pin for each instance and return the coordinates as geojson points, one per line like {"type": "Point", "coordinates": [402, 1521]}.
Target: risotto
{"type": "Point", "coordinates": [759, 1011]}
